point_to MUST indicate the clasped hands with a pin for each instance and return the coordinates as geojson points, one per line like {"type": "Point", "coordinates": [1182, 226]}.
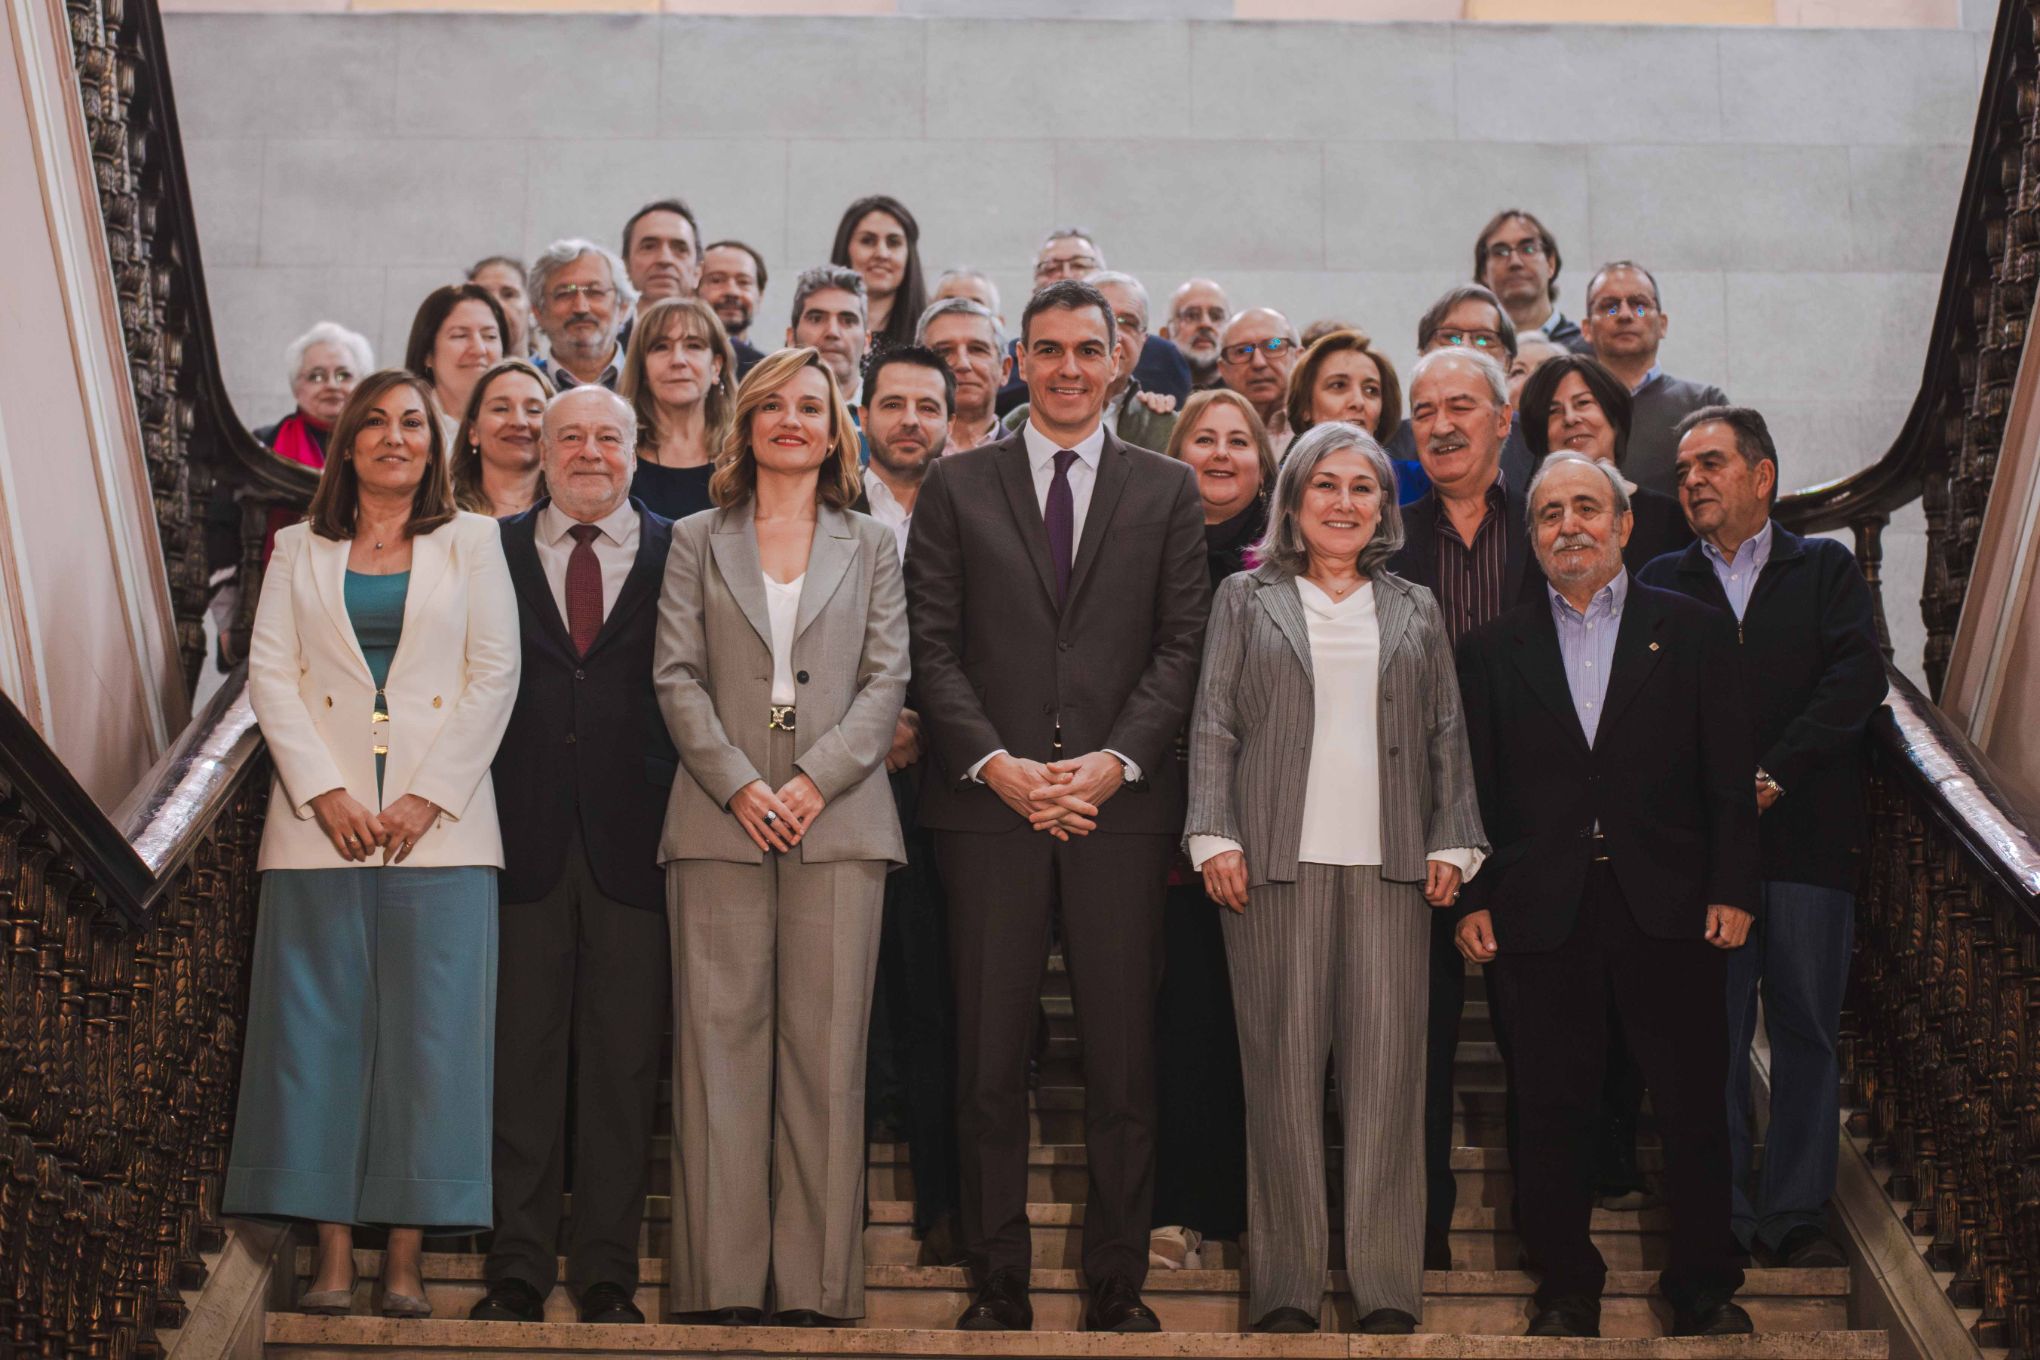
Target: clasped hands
{"type": "Point", "coordinates": [1061, 797]}
{"type": "Point", "coordinates": [358, 833]}
{"type": "Point", "coordinates": [792, 810]}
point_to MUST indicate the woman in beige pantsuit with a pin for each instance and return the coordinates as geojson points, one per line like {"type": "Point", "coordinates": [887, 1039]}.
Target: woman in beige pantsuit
{"type": "Point", "coordinates": [1320, 651]}
{"type": "Point", "coordinates": [781, 668]}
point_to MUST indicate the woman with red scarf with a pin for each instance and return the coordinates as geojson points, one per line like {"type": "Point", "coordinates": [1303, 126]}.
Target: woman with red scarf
{"type": "Point", "coordinates": [325, 364]}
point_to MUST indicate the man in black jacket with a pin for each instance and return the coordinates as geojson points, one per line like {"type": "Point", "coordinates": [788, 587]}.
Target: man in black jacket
{"type": "Point", "coordinates": [1611, 752]}
{"type": "Point", "coordinates": [581, 784]}
{"type": "Point", "coordinates": [1813, 676]}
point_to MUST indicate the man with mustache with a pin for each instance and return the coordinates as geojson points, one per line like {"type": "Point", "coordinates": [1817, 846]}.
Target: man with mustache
{"type": "Point", "coordinates": [1256, 353]}
{"type": "Point", "coordinates": [1813, 676]}
{"type": "Point", "coordinates": [1465, 540]}
{"type": "Point", "coordinates": [580, 294]}
{"type": "Point", "coordinates": [1516, 258]}
{"type": "Point", "coordinates": [1198, 311]}
{"type": "Point", "coordinates": [1626, 324]}
{"type": "Point", "coordinates": [1612, 754]}
{"type": "Point", "coordinates": [1465, 317]}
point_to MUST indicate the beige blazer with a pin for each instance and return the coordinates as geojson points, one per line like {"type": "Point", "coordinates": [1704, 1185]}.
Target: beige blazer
{"type": "Point", "coordinates": [713, 672]}
{"type": "Point", "coordinates": [450, 689]}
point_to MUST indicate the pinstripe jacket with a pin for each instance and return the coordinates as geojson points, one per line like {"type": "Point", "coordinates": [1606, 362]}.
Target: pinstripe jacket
{"type": "Point", "coordinates": [1250, 734]}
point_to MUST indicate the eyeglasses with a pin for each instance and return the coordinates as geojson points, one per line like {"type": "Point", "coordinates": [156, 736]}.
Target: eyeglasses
{"type": "Point", "coordinates": [1477, 339]}
{"type": "Point", "coordinates": [1643, 307]}
{"type": "Point", "coordinates": [1242, 352]}
{"type": "Point", "coordinates": [566, 293]}
{"type": "Point", "coordinates": [1215, 314]}
{"type": "Point", "coordinates": [1530, 250]}
{"type": "Point", "coordinates": [1067, 267]}
{"type": "Point", "coordinates": [319, 377]}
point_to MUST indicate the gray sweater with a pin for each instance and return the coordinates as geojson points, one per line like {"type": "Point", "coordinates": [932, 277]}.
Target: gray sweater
{"type": "Point", "coordinates": [1652, 457]}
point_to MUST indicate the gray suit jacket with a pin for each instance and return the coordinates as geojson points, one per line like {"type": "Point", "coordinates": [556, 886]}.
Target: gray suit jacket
{"type": "Point", "coordinates": [713, 672]}
{"type": "Point", "coordinates": [1250, 735]}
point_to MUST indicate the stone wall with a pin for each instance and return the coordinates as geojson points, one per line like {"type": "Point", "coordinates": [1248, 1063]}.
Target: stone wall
{"type": "Point", "coordinates": [1792, 188]}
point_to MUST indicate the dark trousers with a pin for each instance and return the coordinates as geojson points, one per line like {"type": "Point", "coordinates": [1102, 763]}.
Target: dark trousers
{"type": "Point", "coordinates": [1441, 1053]}
{"type": "Point", "coordinates": [1797, 957]}
{"type": "Point", "coordinates": [580, 974]}
{"type": "Point", "coordinates": [1000, 889]}
{"type": "Point", "coordinates": [1669, 997]}
{"type": "Point", "coordinates": [913, 1015]}
{"type": "Point", "coordinates": [1201, 1108]}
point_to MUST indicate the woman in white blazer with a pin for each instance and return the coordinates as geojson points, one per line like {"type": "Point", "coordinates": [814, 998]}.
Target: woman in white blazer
{"type": "Point", "coordinates": [383, 668]}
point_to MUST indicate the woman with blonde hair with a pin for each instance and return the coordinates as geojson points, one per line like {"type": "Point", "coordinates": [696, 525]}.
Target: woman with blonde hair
{"type": "Point", "coordinates": [495, 464]}
{"type": "Point", "coordinates": [680, 376]}
{"type": "Point", "coordinates": [781, 667]}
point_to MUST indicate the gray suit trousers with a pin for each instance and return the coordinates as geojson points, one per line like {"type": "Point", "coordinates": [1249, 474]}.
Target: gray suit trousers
{"type": "Point", "coordinates": [773, 966]}
{"type": "Point", "coordinates": [1333, 966]}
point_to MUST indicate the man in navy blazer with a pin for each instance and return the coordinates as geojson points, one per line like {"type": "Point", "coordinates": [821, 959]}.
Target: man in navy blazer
{"type": "Point", "coordinates": [581, 781]}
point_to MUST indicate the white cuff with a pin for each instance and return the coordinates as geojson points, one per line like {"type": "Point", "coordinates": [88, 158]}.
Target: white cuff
{"type": "Point", "coordinates": [1132, 769]}
{"type": "Point", "coordinates": [976, 773]}
{"type": "Point", "coordinates": [1465, 859]}
{"type": "Point", "coordinates": [1204, 848]}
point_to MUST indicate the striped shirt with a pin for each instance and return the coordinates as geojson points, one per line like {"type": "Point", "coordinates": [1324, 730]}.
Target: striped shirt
{"type": "Point", "coordinates": [1469, 577]}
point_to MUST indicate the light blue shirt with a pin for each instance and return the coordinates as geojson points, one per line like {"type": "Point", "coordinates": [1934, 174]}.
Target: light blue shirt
{"type": "Point", "coordinates": [1738, 575]}
{"type": "Point", "coordinates": [1586, 646]}
{"type": "Point", "coordinates": [1656, 371]}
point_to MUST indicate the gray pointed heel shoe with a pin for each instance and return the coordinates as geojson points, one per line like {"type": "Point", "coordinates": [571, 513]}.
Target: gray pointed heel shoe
{"type": "Point", "coordinates": [327, 1302]}
{"type": "Point", "coordinates": [395, 1305]}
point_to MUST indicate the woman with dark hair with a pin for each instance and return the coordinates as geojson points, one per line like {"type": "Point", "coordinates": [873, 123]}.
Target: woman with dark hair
{"type": "Point", "coordinates": [680, 377]}
{"type": "Point", "coordinates": [781, 667]}
{"type": "Point", "coordinates": [1574, 402]}
{"type": "Point", "coordinates": [383, 667]}
{"type": "Point", "coordinates": [1343, 377]}
{"type": "Point", "coordinates": [496, 468]}
{"type": "Point", "coordinates": [456, 336]}
{"type": "Point", "coordinates": [880, 239]}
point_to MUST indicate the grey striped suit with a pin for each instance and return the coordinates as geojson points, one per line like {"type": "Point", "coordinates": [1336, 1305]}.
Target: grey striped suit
{"type": "Point", "coordinates": [1328, 961]}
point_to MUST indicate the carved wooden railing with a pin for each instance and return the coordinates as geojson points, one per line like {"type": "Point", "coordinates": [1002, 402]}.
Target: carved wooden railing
{"type": "Point", "coordinates": [122, 990]}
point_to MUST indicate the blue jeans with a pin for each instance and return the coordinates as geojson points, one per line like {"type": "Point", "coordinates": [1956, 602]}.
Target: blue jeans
{"type": "Point", "coordinates": [1798, 955]}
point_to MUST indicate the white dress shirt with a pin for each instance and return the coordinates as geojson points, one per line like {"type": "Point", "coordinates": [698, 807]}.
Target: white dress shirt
{"type": "Point", "coordinates": [886, 508]}
{"type": "Point", "coordinates": [1342, 787]}
{"type": "Point", "coordinates": [615, 551]}
{"type": "Point", "coordinates": [782, 607]}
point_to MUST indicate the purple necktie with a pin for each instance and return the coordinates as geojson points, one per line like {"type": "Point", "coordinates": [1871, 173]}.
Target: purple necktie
{"type": "Point", "coordinates": [1060, 515]}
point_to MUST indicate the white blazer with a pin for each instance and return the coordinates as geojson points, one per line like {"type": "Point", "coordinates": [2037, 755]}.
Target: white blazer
{"type": "Point", "coordinates": [450, 689]}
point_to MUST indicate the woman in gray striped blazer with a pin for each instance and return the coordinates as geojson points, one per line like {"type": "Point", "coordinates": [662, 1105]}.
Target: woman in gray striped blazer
{"type": "Point", "coordinates": [1320, 663]}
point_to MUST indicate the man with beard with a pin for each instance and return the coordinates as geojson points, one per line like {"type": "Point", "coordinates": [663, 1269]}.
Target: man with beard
{"type": "Point", "coordinates": [1256, 352]}
{"type": "Point", "coordinates": [1626, 324]}
{"type": "Point", "coordinates": [1516, 258]}
{"type": "Point", "coordinates": [732, 281]}
{"type": "Point", "coordinates": [908, 393]}
{"type": "Point", "coordinates": [968, 337]}
{"type": "Point", "coordinates": [580, 294]}
{"type": "Point", "coordinates": [829, 314]}
{"type": "Point", "coordinates": [1612, 753]}
{"type": "Point", "coordinates": [1198, 311]}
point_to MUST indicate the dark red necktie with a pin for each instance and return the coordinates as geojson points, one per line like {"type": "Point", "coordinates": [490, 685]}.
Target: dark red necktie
{"type": "Point", "coordinates": [584, 588]}
{"type": "Point", "coordinates": [1060, 516]}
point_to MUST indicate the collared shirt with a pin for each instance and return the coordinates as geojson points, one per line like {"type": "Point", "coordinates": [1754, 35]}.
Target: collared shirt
{"type": "Point", "coordinates": [1470, 574]}
{"type": "Point", "coordinates": [615, 551]}
{"type": "Point", "coordinates": [1083, 474]}
{"type": "Point", "coordinates": [1656, 371]}
{"type": "Point", "coordinates": [886, 508]}
{"type": "Point", "coordinates": [1738, 575]}
{"type": "Point", "coordinates": [991, 430]}
{"type": "Point", "coordinates": [1586, 645]}
{"type": "Point", "coordinates": [562, 380]}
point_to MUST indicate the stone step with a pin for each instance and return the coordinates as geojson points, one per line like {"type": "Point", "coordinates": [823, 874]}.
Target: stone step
{"type": "Point", "coordinates": [1493, 1302]}
{"type": "Point", "coordinates": [316, 1338]}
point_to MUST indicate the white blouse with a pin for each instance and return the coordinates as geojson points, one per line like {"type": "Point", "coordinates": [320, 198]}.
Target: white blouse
{"type": "Point", "coordinates": [782, 604]}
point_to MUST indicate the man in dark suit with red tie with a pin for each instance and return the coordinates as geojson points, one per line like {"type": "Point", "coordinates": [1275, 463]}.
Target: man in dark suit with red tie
{"type": "Point", "coordinates": [1057, 591]}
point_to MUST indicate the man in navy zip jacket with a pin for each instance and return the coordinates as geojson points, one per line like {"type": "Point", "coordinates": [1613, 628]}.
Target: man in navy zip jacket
{"type": "Point", "coordinates": [1812, 676]}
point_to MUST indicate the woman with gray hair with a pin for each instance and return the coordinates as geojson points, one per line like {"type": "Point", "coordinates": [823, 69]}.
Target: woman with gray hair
{"type": "Point", "coordinates": [1321, 651]}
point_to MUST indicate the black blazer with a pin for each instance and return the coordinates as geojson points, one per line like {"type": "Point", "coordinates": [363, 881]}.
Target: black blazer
{"type": "Point", "coordinates": [1659, 527]}
{"type": "Point", "coordinates": [586, 744]}
{"type": "Point", "coordinates": [1417, 559]}
{"type": "Point", "coordinates": [1669, 776]}
{"type": "Point", "coordinates": [997, 664]}
{"type": "Point", "coordinates": [1813, 676]}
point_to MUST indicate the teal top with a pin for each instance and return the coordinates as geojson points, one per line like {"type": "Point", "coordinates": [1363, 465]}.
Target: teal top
{"type": "Point", "coordinates": [375, 605]}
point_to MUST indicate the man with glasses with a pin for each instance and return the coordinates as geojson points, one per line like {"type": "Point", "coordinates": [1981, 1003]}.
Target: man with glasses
{"type": "Point", "coordinates": [1256, 352]}
{"type": "Point", "coordinates": [1198, 311]}
{"type": "Point", "coordinates": [580, 294]}
{"type": "Point", "coordinates": [1626, 324]}
{"type": "Point", "coordinates": [1516, 257]}
{"type": "Point", "coordinates": [1466, 317]}
{"type": "Point", "coordinates": [1070, 253]}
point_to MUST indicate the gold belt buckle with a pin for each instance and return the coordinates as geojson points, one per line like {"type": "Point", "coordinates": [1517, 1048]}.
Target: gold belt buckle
{"type": "Point", "coordinates": [780, 718]}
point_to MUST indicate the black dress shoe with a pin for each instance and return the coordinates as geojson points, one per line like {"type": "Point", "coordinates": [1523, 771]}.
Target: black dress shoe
{"type": "Point", "coordinates": [608, 1302]}
{"type": "Point", "coordinates": [1567, 1317]}
{"type": "Point", "coordinates": [805, 1317]}
{"type": "Point", "coordinates": [1806, 1247]}
{"type": "Point", "coordinates": [1116, 1307]}
{"type": "Point", "coordinates": [1387, 1322]}
{"type": "Point", "coordinates": [509, 1300]}
{"type": "Point", "coordinates": [1284, 1321]}
{"type": "Point", "coordinates": [1000, 1306]}
{"type": "Point", "coordinates": [1721, 1317]}
{"type": "Point", "coordinates": [724, 1317]}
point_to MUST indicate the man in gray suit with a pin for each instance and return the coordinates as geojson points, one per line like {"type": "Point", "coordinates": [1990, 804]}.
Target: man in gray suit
{"type": "Point", "coordinates": [1626, 323]}
{"type": "Point", "coordinates": [1057, 592]}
